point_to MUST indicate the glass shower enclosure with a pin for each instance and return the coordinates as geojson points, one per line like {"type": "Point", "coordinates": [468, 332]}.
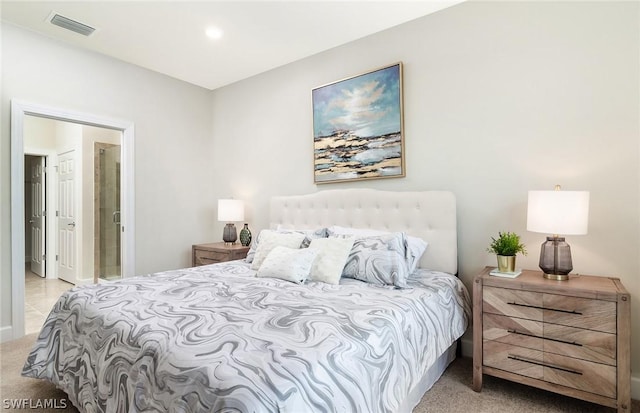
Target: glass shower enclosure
{"type": "Point", "coordinates": [107, 230]}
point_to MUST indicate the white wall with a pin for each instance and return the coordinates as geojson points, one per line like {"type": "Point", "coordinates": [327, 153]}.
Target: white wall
{"type": "Point", "coordinates": [40, 133]}
{"type": "Point", "coordinates": [175, 207]}
{"type": "Point", "coordinates": [499, 98]}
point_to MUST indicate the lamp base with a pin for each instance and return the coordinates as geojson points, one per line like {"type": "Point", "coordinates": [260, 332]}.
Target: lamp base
{"type": "Point", "coordinates": [229, 234]}
{"type": "Point", "coordinates": [556, 277]}
{"type": "Point", "coordinates": [555, 259]}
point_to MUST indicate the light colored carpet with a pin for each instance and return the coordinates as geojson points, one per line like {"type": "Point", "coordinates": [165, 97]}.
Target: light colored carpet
{"type": "Point", "coordinates": [14, 387]}
{"type": "Point", "coordinates": [452, 393]}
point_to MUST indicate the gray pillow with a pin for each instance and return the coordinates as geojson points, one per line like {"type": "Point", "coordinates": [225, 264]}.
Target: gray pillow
{"type": "Point", "coordinates": [379, 260]}
{"type": "Point", "coordinates": [415, 247]}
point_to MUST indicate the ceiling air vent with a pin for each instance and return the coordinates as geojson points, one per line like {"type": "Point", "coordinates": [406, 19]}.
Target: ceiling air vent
{"type": "Point", "coordinates": [69, 24]}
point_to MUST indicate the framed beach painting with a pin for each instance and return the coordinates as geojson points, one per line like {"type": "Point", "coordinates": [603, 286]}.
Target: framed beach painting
{"type": "Point", "coordinates": [358, 127]}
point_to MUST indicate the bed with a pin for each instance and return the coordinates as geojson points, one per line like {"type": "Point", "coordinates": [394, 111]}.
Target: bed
{"type": "Point", "coordinates": [218, 338]}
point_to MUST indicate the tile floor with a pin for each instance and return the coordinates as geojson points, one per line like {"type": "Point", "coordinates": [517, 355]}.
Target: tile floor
{"type": "Point", "coordinates": [40, 296]}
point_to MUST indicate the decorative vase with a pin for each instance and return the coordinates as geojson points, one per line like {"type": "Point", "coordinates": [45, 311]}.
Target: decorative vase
{"type": "Point", "coordinates": [506, 263]}
{"type": "Point", "coordinates": [245, 236]}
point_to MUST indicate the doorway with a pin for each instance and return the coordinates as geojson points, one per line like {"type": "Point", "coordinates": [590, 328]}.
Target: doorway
{"type": "Point", "coordinates": [35, 197]}
{"type": "Point", "coordinates": [83, 222]}
{"type": "Point", "coordinates": [39, 220]}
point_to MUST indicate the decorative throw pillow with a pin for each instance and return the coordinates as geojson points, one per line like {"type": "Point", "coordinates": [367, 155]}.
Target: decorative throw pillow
{"type": "Point", "coordinates": [415, 246]}
{"type": "Point", "coordinates": [288, 264]}
{"type": "Point", "coordinates": [379, 260]}
{"type": "Point", "coordinates": [309, 235]}
{"type": "Point", "coordinates": [332, 256]}
{"type": "Point", "coordinates": [271, 239]}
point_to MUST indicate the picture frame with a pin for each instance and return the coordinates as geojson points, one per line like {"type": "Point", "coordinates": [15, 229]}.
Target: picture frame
{"type": "Point", "coordinates": [358, 127]}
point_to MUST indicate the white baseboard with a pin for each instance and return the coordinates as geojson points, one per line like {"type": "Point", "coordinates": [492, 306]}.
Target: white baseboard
{"type": "Point", "coordinates": [467, 351]}
{"type": "Point", "coordinates": [6, 334]}
{"type": "Point", "coordinates": [84, 281]}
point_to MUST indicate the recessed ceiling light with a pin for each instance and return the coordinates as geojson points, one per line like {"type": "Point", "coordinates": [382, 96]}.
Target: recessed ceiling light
{"type": "Point", "coordinates": [214, 32]}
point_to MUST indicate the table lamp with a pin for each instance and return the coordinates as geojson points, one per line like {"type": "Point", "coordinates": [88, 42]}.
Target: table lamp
{"type": "Point", "coordinates": [559, 213]}
{"type": "Point", "coordinates": [230, 210]}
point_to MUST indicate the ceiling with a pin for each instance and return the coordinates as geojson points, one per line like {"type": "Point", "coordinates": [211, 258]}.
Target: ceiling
{"type": "Point", "coordinates": [169, 36]}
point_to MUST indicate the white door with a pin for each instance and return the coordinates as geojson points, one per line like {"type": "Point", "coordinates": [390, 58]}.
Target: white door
{"type": "Point", "coordinates": [67, 260]}
{"type": "Point", "coordinates": [37, 216]}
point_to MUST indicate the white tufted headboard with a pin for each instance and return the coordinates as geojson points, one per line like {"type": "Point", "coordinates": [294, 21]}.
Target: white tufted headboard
{"type": "Point", "coordinates": [430, 215]}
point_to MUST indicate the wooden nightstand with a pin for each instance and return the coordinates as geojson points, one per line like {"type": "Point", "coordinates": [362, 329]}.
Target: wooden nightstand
{"type": "Point", "coordinates": [204, 254]}
{"type": "Point", "coordinates": [570, 337]}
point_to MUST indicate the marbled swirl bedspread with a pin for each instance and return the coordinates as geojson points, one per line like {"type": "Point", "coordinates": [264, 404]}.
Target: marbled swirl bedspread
{"type": "Point", "coordinates": [218, 339]}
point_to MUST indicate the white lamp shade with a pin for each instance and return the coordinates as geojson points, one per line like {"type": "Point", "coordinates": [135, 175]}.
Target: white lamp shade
{"type": "Point", "coordinates": [558, 212]}
{"type": "Point", "coordinates": [230, 210]}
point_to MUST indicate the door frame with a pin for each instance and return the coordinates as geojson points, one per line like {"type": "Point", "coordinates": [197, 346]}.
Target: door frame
{"type": "Point", "coordinates": [50, 206]}
{"type": "Point", "coordinates": [20, 109]}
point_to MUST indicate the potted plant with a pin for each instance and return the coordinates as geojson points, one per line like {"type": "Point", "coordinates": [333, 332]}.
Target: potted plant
{"type": "Point", "coordinates": [506, 246]}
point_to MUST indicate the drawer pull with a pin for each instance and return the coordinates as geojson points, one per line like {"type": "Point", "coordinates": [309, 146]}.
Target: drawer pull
{"type": "Point", "coordinates": [539, 363]}
{"type": "Point", "coordinates": [557, 340]}
{"type": "Point", "coordinates": [545, 308]}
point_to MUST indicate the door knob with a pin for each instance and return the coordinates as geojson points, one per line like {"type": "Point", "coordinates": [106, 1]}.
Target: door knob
{"type": "Point", "coordinates": [72, 224]}
{"type": "Point", "coordinates": [31, 221]}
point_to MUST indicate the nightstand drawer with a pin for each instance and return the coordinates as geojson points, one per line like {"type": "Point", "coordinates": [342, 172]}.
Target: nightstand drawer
{"type": "Point", "coordinates": [515, 303]}
{"type": "Point", "coordinates": [205, 261]}
{"type": "Point", "coordinates": [511, 330]}
{"type": "Point", "coordinates": [580, 312]}
{"type": "Point", "coordinates": [570, 341]}
{"type": "Point", "coordinates": [204, 257]}
{"type": "Point", "coordinates": [551, 308]}
{"type": "Point", "coordinates": [514, 359]}
{"type": "Point", "coordinates": [580, 343]}
{"type": "Point", "coordinates": [580, 374]}
{"type": "Point", "coordinates": [566, 371]}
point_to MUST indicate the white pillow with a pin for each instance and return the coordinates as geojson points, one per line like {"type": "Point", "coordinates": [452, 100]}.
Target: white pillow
{"type": "Point", "coordinates": [270, 239]}
{"type": "Point", "coordinates": [415, 246]}
{"type": "Point", "coordinates": [288, 264]}
{"type": "Point", "coordinates": [332, 255]}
